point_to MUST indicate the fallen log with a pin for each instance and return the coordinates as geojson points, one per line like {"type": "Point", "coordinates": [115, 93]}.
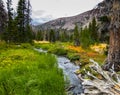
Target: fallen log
{"type": "Point", "coordinates": [109, 84]}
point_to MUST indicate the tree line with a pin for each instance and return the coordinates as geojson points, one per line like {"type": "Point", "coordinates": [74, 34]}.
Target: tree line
{"type": "Point", "coordinates": [16, 26]}
{"type": "Point", "coordinates": [79, 36]}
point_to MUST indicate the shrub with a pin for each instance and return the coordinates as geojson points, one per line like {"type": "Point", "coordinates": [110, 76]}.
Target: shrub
{"type": "Point", "coordinates": [73, 56]}
{"type": "Point", "coordinates": [58, 51]}
{"type": "Point", "coordinates": [3, 45]}
{"type": "Point", "coordinates": [45, 46]}
{"type": "Point", "coordinates": [25, 46]}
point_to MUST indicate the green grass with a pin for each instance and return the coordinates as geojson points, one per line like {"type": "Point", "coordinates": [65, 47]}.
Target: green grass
{"type": "Point", "coordinates": [27, 72]}
{"type": "Point", "coordinates": [73, 56]}
{"type": "Point", "coordinates": [54, 48]}
{"type": "Point", "coordinates": [58, 51]}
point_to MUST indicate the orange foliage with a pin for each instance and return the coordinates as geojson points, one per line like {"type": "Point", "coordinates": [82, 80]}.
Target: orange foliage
{"type": "Point", "coordinates": [92, 54]}
{"type": "Point", "coordinates": [75, 48]}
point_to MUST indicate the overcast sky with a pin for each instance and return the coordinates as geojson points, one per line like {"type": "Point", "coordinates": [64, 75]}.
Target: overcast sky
{"type": "Point", "coordinates": [51, 9]}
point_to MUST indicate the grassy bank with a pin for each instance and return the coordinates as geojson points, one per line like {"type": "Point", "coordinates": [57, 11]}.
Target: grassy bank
{"type": "Point", "coordinates": [27, 72]}
{"type": "Point", "coordinates": [77, 54]}
{"type": "Point", "coordinates": [74, 52]}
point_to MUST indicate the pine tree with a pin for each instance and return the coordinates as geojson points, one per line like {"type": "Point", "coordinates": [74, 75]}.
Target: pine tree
{"type": "Point", "coordinates": [85, 37]}
{"type": "Point", "coordinates": [62, 36]}
{"type": "Point", "coordinates": [28, 28]}
{"type": "Point", "coordinates": [93, 29]}
{"type": "Point", "coordinates": [39, 35]}
{"type": "Point", "coordinates": [20, 20]}
{"type": "Point", "coordinates": [52, 36]}
{"type": "Point", "coordinates": [76, 36]}
{"type": "Point", "coordinates": [3, 17]}
{"type": "Point", "coordinates": [23, 21]}
{"type": "Point", "coordinates": [8, 34]}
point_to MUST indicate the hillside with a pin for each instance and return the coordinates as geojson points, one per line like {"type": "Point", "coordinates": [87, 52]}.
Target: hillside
{"type": "Point", "coordinates": [69, 22]}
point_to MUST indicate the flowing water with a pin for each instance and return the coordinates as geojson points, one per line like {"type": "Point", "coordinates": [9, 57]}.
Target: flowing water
{"type": "Point", "coordinates": [74, 86]}
{"type": "Point", "coordinates": [69, 69]}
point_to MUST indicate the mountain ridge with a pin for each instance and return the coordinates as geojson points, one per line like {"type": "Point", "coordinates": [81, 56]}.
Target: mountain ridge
{"type": "Point", "coordinates": [69, 23]}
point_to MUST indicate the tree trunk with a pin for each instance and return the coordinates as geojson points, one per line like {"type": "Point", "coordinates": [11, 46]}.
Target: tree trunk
{"type": "Point", "coordinates": [113, 59]}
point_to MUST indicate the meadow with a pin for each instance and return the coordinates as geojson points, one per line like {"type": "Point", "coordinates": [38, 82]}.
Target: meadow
{"type": "Point", "coordinates": [24, 71]}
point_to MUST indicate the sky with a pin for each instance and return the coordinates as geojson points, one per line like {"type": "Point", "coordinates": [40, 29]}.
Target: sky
{"type": "Point", "coordinates": [45, 10]}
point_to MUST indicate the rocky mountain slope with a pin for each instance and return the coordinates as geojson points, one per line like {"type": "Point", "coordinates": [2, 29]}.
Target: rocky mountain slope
{"type": "Point", "coordinates": [69, 22]}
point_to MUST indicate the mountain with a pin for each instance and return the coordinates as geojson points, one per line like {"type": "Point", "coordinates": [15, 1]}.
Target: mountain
{"type": "Point", "coordinates": [66, 22]}
{"type": "Point", "coordinates": [81, 20]}
{"type": "Point", "coordinates": [39, 21]}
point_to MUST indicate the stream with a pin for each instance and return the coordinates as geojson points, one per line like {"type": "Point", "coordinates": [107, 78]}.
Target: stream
{"type": "Point", "coordinates": [73, 83]}
{"type": "Point", "coordinates": [75, 87]}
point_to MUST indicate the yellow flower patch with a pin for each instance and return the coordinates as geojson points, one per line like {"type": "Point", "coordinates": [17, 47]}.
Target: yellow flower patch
{"type": "Point", "coordinates": [100, 48]}
{"type": "Point", "coordinates": [41, 42]}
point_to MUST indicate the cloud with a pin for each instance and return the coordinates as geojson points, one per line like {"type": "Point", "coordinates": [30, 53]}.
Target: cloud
{"type": "Point", "coordinates": [41, 16]}
{"type": "Point", "coordinates": [41, 20]}
{"type": "Point", "coordinates": [38, 12]}
{"type": "Point", "coordinates": [45, 19]}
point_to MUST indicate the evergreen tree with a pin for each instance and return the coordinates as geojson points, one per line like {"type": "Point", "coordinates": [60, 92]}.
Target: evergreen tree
{"type": "Point", "coordinates": [76, 36]}
{"type": "Point", "coordinates": [20, 20]}
{"type": "Point", "coordinates": [90, 28]}
{"type": "Point", "coordinates": [28, 28]}
{"type": "Point", "coordinates": [93, 30]}
{"type": "Point", "coordinates": [57, 35]}
{"type": "Point", "coordinates": [28, 13]}
{"type": "Point", "coordinates": [63, 36]}
{"type": "Point", "coordinates": [23, 21]}
{"type": "Point", "coordinates": [85, 37]}
{"type": "Point", "coordinates": [8, 34]}
{"type": "Point", "coordinates": [39, 35]}
{"type": "Point", "coordinates": [52, 36]}
{"type": "Point", "coordinates": [3, 17]}
{"type": "Point", "coordinates": [89, 34]}
{"type": "Point", "coordinates": [10, 14]}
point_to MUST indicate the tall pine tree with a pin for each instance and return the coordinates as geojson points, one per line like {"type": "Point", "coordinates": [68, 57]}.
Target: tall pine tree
{"type": "Point", "coordinates": [8, 34]}
{"type": "Point", "coordinates": [76, 36]}
{"type": "Point", "coordinates": [52, 36]}
{"type": "Point", "coordinates": [28, 28]}
{"type": "Point", "coordinates": [93, 30]}
{"type": "Point", "coordinates": [20, 20]}
{"type": "Point", "coordinates": [23, 21]}
{"type": "Point", "coordinates": [3, 17]}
